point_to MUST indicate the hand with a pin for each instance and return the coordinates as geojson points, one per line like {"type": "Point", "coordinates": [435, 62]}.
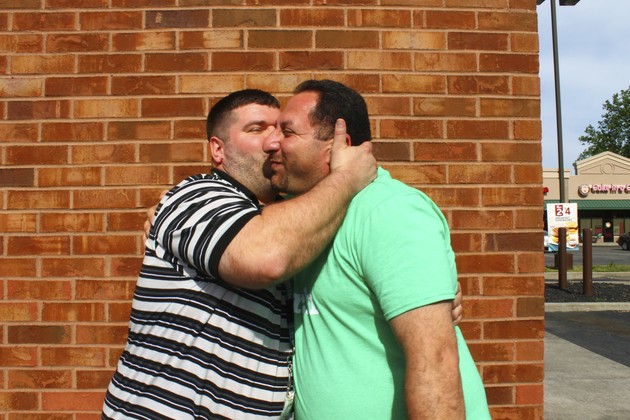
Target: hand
{"type": "Point", "coordinates": [457, 309]}
{"type": "Point", "coordinates": [357, 161]}
{"type": "Point", "coordinates": [150, 216]}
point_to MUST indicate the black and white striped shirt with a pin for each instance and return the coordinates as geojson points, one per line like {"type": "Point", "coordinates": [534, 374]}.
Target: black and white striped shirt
{"type": "Point", "coordinates": [198, 347]}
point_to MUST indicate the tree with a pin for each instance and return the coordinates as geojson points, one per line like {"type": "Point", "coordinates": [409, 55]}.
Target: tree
{"type": "Point", "coordinates": [613, 130]}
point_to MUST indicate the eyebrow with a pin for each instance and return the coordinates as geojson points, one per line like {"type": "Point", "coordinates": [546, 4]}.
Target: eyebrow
{"type": "Point", "coordinates": [259, 122]}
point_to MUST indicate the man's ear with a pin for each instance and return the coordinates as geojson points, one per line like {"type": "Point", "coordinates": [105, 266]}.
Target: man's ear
{"type": "Point", "coordinates": [217, 150]}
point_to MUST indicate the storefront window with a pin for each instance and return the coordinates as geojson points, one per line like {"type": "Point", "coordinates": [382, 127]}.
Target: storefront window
{"type": "Point", "coordinates": [617, 227]}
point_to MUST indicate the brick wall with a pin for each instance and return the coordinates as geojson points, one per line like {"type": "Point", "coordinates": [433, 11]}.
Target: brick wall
{"type": "Point", "coordinates": [103, 105]}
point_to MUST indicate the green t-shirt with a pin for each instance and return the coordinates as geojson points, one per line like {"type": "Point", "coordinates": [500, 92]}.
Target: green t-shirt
{"type": "Point", "coordinates": [391, 254]}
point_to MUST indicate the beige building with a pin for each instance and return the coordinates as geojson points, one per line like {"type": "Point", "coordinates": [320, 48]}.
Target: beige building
{"type": "Point", "coordinates": [601, 189]}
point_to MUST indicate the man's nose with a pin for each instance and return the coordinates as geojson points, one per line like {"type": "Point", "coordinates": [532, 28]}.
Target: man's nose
{"type": "Point", "coordinates": [272, 141]}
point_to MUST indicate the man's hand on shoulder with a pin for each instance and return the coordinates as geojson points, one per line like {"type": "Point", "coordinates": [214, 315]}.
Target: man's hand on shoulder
{"type": "Point", "coordinates": [357, 163]}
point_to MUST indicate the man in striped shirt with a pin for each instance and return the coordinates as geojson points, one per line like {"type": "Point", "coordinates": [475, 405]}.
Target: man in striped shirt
{"type": "Point", "coordinates": [203, 342]}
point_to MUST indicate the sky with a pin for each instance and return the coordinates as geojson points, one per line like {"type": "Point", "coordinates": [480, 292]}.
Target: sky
{"type": "Point", "coordinates": [594, 62]}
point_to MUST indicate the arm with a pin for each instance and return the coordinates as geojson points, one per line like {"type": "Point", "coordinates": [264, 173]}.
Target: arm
{"type": "Point", "coordinates": [433, 388]}
{"type": "Point", "coordinates": [287, 236]}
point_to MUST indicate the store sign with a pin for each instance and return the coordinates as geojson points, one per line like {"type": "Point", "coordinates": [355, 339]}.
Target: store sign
{"type": "Point", "coordinates": [585, 189]}
{"type": "Point", "coordinates": [563, 215]}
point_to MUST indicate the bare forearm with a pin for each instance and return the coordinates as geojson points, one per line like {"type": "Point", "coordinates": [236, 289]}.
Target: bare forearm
{"type": "Point", "coordinates": [287, 236]}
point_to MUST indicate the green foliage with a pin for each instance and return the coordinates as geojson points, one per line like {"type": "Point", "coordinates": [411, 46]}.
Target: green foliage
{"type": "Point", "coordinates": [613, 130]}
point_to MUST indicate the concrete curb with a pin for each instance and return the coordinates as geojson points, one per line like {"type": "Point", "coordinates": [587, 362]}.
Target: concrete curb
{"type": "Point", "coordinates": [586, 306]}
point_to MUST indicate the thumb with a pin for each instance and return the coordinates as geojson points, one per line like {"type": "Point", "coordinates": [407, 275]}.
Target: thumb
{"type": "Point", "coordinates": [339, 141]}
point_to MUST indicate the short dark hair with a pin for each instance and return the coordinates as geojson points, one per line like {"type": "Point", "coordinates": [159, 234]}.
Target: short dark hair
{"type": "Point", "coordinates": [337, 100]}
{"type": "Point", "coordinates": [220, 112]}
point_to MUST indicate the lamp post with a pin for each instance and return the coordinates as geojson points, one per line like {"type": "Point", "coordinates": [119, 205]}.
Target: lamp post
{"type": "Point", "coordinates": [562, 251]}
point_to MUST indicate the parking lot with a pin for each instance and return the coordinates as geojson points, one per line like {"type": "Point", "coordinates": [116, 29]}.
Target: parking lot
{"type": "Point", "coordinates": [602, 255]}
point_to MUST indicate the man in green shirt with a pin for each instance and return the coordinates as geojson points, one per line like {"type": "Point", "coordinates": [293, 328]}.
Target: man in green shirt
{"type": "Point", "coordinates": [373, 331]}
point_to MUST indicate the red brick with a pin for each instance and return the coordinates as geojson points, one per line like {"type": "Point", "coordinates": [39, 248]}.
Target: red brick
{"type": "Point", "coordinates": [73, 312]}
{"type": "Point", "coordinates": [38, 334]}
{"type": "Point", "coordinates": [172, 107]}
{"type": "Point", "coordinates": [93, 379]}
{"type": "Point", "coordinates": [389, 105]}
{"type": "Point", "coordinates": [414, 174]}
{"type": "Point", "coordinates": [85, 4]}
{"type": "Point", "coordinates": [466, 242]}
{"type": "Point", "coordinates": [479, 174]}
{"type": "Point", "coordinates": [177, 19]}
{"type": "Point", "coordinates": [311, 16]}
{"type": "Point", "coordinates": [512, 286]}
{"type": "Point", "coordinates": [191, 129]}
{"type": "Point", "coordinates": [493, 107]}
{"type": "Point", "coordinates": [485, 263]}
{"type": "Point", "coordinates": [530, 307]}
{"type": "Point", "coordinates": [21, 4]}
{"type": "Point", "coordinates": [192, 40]}
{"type": "Point", "coordinates": [449, 197]}
{"type": "Point", "coordinates": [143, 41]}
{"type": "Point", "coordinates": [179, 173]}
{"type": "Point", "coordinates": [100, 21]}
{"type": "Point", "coordinates": [380, 18]}
{"type": "Point", "coordinates": [525, 42]}
{"type": "Point", "coordinates": [529, 394]}
{"type": "Point", "coordinates": [143, 85]}
{"type": "Point", "coordinates": [76, 86]}
{"type": "Point", "coordinates": [312, 60]}
{"type": "Point", "coordinates": [105, 244]}
{"type": "Point", "coordinates": [167, 152]}
{"type": "Point", "coordinates": [42, 64]}
{"type": "Point", "coordinates": [379, 60]}
{"type": "Point", "coordinates": [500, 395]}
{"type": "Point", "coordinates": [390, 151]}
{"type": "Point", "coordinates": [411, 129]}
{"type": "Point", "coordinates": [526, 85]}
{"type": "Point", "coordinates": [21, 110]}
{"type": "Point", "coordinates": [50, 177]}
{"type": "Point", "coordinates": [17, 177]}
{"type": "Point", "coordinates": [477, 129]}
{"type": "Point", "coordinates": [101, 334]}
{"type": "Point", "coordinates": [127, 221]}
{"type": "Point", "coordinates": [473, 85]}
{"type": "Point", "coordinates": [478, 41]}
{"type": "Point", "coordinates": [517, 22]}
{"type": "Point", "coordinates": [445, 107]}
{"type": "Point", "coordinates": [139, 130]}
{"type": "Point", "coordinates": [413, 83]}
{"type": "Point", "coordinates": [49, 21]}
{"type": "Point", "coordinates": [16, 356]}
{"type": "Point", "coordinates": [18, 312]}
{"type": "Point", "coordinates": [413, 40]}
{"type": "Point", "coordinates": [125, 266]}
{"type": "Point", "coordinates": [72, 222]}
{"type": "Point", "coordinates": [482, 219]}
{"type": "Point", "coordinates": [146, 3]}
{"type": "Point", "coordinates": [18, 401]}
{"type": "Point", "coordinates": [512, 241]}
{"type": "Point", "coordinates": [514, 329]}
{"type": "Point", "coordinates": [37, 155]}
{"type": "Point", "coordinates": [72, 401]}
{"type": "Point", "coordinates": [30, 43]}
{"type": "Point", "coordinates": [119, 312]}
{"type": "Point", "coordinates": [450, 62]}
{"type": "Point", "coordinates": [340, 39]}
{"type": "Point", "coordinates": [505, 196]}
{"type": "Point", "coordinates": [22, 87]}
{"type": "Point", "coordinates": [38, 245]}
{"type": "Point", "coordinates": [508, 63]}
{"type": "Point", "coordinates": [446, 19]}
{"type": "Point", "coordinates": [532, 262]}
{"type": "Point", "coordinates": [497, 374]}
{"type": "Point", "coordinates": [247, 17]}
{"type": "Point", "coordinates": [19, 267]}
{"type": "Point", "coordinates": [38, 199]}
{"type": "Point", "coordinates": [89, 42]}
{"type": "Point", "coordinates": [110, 290]}
{"type": "Point", "coordinates": [107, 153]}
{"type": "Point", "coordinates": [488, 309]}
{"type": "Point", "coordinates": [73, 267]}
{"type": "Point", "coordinates": [527, 129]}
{"type": "Point", "coordinates": [176, 62]}
{"type": "Point", "coordinates": [251, 61]}
{"type": "Point", "coordinates": [17, 222]}
{"type": "Point", "coordinates": [49, 289]}
{"type": "Point", "coordinates": [75, 356]}
{"type": "Point", "coordinates": [106, 108]}
{"type": "Point", "coordinates": [73, 131]}
{"type": "Point", "coordinates": [104, 198]}
{"type": "Point", "coordinates": [528, 219]}
{"type": "Point", "coordinates": [137, 175]}
{"type": "Point", "coordinates": [18, 132]}
{"type": "Point", "coordinates": [39, 379]}
{"type": "Point", "coordinates": [491, 352]}
{"type": "Point", "coordinates": [471, 329]}
{"type": "Point", "coordinates": [110, 63]}
{"type": "Point", "coordinates": [449, 151]}
{"type": "Point", "coordinates": [530, 350]}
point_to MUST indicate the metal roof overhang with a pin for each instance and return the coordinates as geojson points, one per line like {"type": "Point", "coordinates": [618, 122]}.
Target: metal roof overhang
{"type": "Point", "coordinates": [598, 204]}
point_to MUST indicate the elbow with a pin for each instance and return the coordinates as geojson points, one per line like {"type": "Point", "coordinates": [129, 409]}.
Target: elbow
{"type": "Point", "coordinates": [264, 272]}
